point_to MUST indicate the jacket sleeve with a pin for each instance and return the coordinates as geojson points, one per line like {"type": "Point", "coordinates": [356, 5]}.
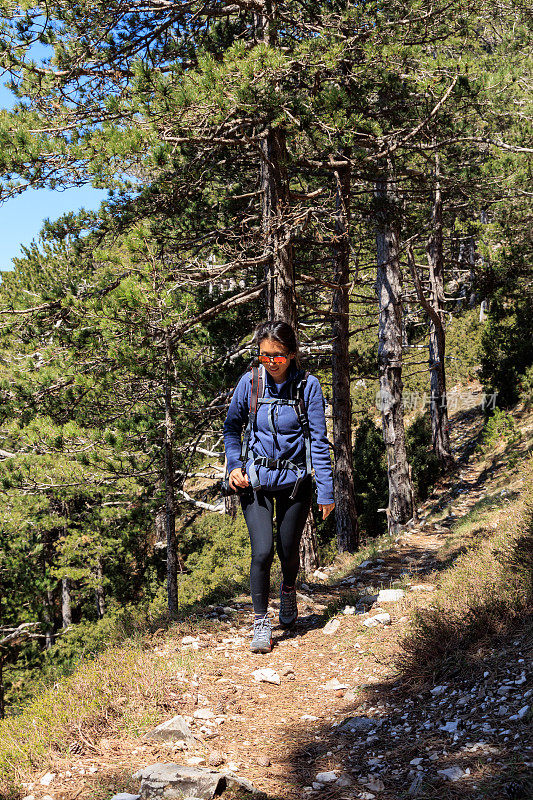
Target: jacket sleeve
{"type": "Point", "coordinates": [236, 419]}
{"type": "Point", "coordinates": [319, 442]}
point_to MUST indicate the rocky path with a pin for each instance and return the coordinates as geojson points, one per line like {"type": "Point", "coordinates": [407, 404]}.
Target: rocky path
{"type": "Point", "coordinates": [323, 714]}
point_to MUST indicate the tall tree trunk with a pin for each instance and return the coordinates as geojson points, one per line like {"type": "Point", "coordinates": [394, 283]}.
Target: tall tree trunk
{"type": "Point", "coordinates": [231, 505]}
{"type": "Point", "coordinates": [170, 502]}
{"type": "Point", "coordinates": [389, 293]}
{"type": "Point", "coordinates": [309, 547]}
{"type": "Point", "coordinates": [99, 588]}
{"type": "Point", "coordinates": [66, 604]}
{"type": "Point", "coordinates": [280, 291]}
{"type": "Point", "coordinates": [346, 523]}
{"type": "Point", "coordinates": [48, 615]}
{"type": "Point", "coordinates": [437, 336]}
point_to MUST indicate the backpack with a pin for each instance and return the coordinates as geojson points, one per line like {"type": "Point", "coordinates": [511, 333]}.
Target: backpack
{"type": "Point", "coordinates": [297, 401]}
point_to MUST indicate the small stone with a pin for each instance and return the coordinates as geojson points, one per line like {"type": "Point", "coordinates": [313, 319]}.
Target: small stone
{"type": "Point", "coordinates": [449, 727]}
{"type": "Point", "coordinates": [377, 619]}
{"type": "Point", "coordinates": [326, 777]}
{"type": "Point", "coordinates": [390, 595]}
{"type": "Point", "coordinates": [344, 781]}
{"type": "Point", "coordinates": [263, 761]}
{"type": "Point", "coordinates": [308, 718]}
{"type": "Point", "coordinates": [188, 640]}
{"type": "Point", "coordinates": [287, 671]}
{"type": "Point", "coordinates": [194, 761]}
{"type": "Point", "coordinates": [47, 779]}
{"type": "Point", "coordinates": [415, 762]}
{"type": "Point", "coordinates": [204, 713]}
{"type": "Point", "coordinates": [366, 796]}
{"type": "Point", "coordinates": [321, 576]}
{"type": "Point", "coordinates": [331, 627]}
{"type": "Point", "coordinates": [267, 675]}
{"type": "Point", "coordinates": [174, 729]}
{"type": "Point", "coordinates": [356, 725]}
{"type": "Point", "coordinates": [415, 785]}
{"type": "Point", "coordinates": [452, 773]}
{"type": "Point", "coordinates": [126, 796]}
{"type": "Point", "coordinates": [349, 610]}
{"type": "Point", "coordinates": [438, 690]}
{"type": "Point", "coordinates": [334, 684]}
{"type": "Point", "coordinates": [523, 711]}
{"type": "Point", "coordinates": [423, 587]}
{"type": "Point", "coordinates": [374, 784]}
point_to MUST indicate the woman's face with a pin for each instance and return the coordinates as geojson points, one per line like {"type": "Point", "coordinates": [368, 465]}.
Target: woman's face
{"type": "Point", "coordinates": [269, 347]}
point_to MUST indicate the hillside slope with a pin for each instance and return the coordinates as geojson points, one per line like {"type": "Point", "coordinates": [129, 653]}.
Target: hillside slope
{"type": "Point", "coordinates": [420, 727]}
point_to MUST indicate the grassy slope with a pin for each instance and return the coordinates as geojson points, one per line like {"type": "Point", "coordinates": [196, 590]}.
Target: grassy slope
{"type": "Point", "coordinates": [126, 688]}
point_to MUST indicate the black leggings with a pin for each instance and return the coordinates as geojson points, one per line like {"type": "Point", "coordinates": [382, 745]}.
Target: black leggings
{"type": "Point", "coordinates": [291, 516]}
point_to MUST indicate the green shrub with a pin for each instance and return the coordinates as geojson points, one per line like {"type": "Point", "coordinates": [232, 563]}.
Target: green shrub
{"type": "Point", "coordinates": [370, 478]}
{"type": "Point", "coordinates": [526, 387]}
{"type": "Point", "coordinates": [217, 558]}
{"type": "Point", "coordinates": [499, 427]}
{"type": "Point", "coordinates": [506, 348]}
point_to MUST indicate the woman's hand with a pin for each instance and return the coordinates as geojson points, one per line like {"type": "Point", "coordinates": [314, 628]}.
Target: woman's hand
{"type": "Point", "coordinates": [326, 508]}
{"type": "Point", "coordinates": [238, 479]}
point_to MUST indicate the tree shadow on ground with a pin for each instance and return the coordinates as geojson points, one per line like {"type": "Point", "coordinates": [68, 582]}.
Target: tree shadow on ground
{"type": "Point", "coordinates": [393, 726]}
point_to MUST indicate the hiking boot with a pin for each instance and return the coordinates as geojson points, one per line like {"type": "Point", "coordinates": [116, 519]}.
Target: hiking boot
{"type": "Point", "coordinates": [288, 607]}
{"type": "Point", "coordinates": [262, 641]}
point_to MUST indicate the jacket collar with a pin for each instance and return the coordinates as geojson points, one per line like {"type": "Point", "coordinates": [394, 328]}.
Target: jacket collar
{"type": "Point", "coordinates": [291, 375]}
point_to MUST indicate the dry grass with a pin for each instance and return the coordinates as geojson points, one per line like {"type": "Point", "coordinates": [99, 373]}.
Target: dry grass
{"type": "Point", "coordinates": [485, 594]}
{"type": "Point", "coordinates": [123, 689]}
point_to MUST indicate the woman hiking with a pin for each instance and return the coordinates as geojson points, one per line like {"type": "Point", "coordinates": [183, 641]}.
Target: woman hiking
{"type": "Point", "coordinates": [285, 437]}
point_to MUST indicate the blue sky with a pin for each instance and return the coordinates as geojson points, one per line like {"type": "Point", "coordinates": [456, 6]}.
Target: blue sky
{"type": "Point", "coordinates": [22, 218]}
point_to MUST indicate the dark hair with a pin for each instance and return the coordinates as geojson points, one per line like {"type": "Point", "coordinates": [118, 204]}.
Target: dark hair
{"type": "Point", "coordinates": [280, 331]}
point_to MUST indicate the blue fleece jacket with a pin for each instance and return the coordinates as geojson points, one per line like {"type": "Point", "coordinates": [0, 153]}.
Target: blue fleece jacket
{"type": "Point", "coordinates": [288, 444]}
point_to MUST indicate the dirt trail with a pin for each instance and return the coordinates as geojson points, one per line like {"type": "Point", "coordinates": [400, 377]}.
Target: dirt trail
{"type": "Point", "coordinates": [281, 736]}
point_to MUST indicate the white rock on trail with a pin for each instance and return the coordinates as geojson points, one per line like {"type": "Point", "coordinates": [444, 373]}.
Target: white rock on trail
{"type": "Point", "coordinates": [267, 675]}
{"type": "Point", "coordinates": [334, 684]}
{"type": "Point", "coordinates": [47, 779]}
{"type": "Point", "coordinates": [204, 713]}
{"type": "Point", "coordinates": [390, 595]}
{"type": "Point", "coordinates": [126, 796]}
{"type": "Point", "coordinates": [378, 619]}
{"type": "Point", "coordinates": [423, 587]}
{"type": "Point", "coordinates": [326, 777]}
{"type": "Point", "coordinates": [331, 627]}
{"type": "Point", "coordinates": [452, 773]}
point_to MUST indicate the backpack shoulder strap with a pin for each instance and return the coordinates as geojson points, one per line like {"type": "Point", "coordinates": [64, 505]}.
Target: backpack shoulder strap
{"type": "Point", "coordinates": [257, 390]}
{"type": "Point", "coordinates": [301, 411]}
